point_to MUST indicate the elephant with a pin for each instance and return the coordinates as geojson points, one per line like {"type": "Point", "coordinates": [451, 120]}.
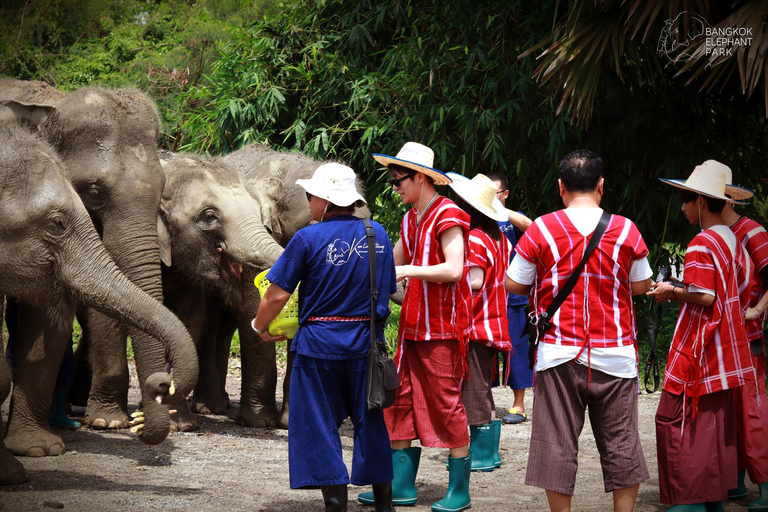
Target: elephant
{"type": "Point", "coordinates": [213, 236]}
{"type": "Point", "coordinates": [106, 140]}
{"type": "Point", "coordinates": [270, 176]}
{"type": "Point", "coordinates": [51, 259]}
{"type": "Point", "coordinates": [11, 470]}
{"type": "Point", "coordinates": [213, 244]}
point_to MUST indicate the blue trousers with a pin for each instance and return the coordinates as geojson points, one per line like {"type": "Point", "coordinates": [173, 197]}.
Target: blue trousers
{"type": "Point", "coordinates": [324, 392]}
{"type": "Point", "coordinates": [520, 376]}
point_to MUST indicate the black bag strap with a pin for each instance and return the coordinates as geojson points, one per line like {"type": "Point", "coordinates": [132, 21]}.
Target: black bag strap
{"type": "Point", "coordinates": [597, 234]}
{"type": "Point", "coordinates": [371, 236]}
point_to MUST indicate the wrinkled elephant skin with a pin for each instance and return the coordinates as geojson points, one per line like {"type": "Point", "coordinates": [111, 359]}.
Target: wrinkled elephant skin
{"type": "Point", "coordinates": [51, 258]}
{"type": "Point", "coordinates": [107, 142]}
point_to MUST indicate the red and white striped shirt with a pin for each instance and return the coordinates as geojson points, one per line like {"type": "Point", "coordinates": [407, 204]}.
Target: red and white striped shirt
{"type": "Point", "coordinates": [754, 239]}
{"type": "Point", "coordinates": [489, 303]}
{"type": "Point", "coordinates": [709, 350]}
{"type": "Point", "coordinates": [434, 311]}
{"type": "Point", "coordinates": [598, 312]}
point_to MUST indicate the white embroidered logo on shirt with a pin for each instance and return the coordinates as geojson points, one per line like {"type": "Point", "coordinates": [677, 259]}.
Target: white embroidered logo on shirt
{"type": "Point", "coordinates": [340, 251]}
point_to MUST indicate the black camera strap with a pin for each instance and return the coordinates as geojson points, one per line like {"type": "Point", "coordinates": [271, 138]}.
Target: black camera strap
{"type": "Point", "coordinates": [566, 290]}
{"type": "Point", "coordinates": [371, 236]}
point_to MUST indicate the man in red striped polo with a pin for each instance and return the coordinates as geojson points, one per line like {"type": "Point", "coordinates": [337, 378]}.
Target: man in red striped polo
{"type": "Point", "coordinates": [709, 354]}
{"type": "Point", "coordinates": [588, 357]}
{"type": "Point", "coordinates": [435, 322]}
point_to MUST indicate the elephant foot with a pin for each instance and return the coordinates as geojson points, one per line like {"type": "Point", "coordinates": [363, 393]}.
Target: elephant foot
{"type": "Point", "coordinates": [33, 441]}
{"type": "Point", "coordinates": [11, 470]}
{"type": "Point", "coordinates": [209, 405]}
{"type": "Point", "coordinates": [284, 418]}
{"type": "Point", "coordinates": [103, 417]}
{"type": "Point", "coordinates": [259, 417]}
{"type": "Point", "coordinates": [182, 420]}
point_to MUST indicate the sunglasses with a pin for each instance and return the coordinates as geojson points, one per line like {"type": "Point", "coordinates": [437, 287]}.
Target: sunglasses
{"type": "Point", "coordinates": [309, 196]}
{"type": "Point", "coordinates": [395, 182]}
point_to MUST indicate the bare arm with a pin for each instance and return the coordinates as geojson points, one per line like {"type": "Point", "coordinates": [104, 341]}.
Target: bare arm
{"type": "Point", "coordinates": [641, 287]}
{"type": "Point", "coordinates": [755, 312]}
{"type": "Point", "coordinates": [271, 305]}
{"type": "Point", "coordinates": [452, 243]}
{"type": "Point", "coordinates": [664, 292]}
{"type": "Point", "coordinates": [399, 253]}
{"type": "Point", "coordinates": [515, 287]}
{"type": "Point", "coordinates": [519, 220]}
{"type": "Point", "coordinates": [476, 277]}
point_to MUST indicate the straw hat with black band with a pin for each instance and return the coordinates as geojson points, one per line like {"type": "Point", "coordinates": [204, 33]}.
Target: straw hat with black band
{"type": "Point", "coordinates": [480, 193]}
{"type": "Point", "coordinates": [733, 191]}
{"type": "Point", "coordinates": [417, 157]}
{"type": "Point", "coordinates": [710, 179]}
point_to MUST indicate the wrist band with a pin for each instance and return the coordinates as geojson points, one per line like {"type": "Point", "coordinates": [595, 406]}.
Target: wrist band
{"type": "Point", "coordinates": [674, 294]}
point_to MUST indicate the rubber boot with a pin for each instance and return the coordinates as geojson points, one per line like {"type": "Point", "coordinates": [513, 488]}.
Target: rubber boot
{"type": "Point", "coordinates": [57, 415]}
{"type": "Point", "coordinates": [382, 497]}
{"type": "Point", "coordinates": [714, 506]}
{"type": "Point", "coordinates": [496, 425]}
{"type": "Point", "coordinates": [335, 498]}
{"type": "Point", "coordinates": [405, 464]}
{"type": "Point", "coordinates": [761, 503]}
{"type": "Point", "coordinates": [481, 441]}
{"type": "Point", "coordinates": [740, 492]}
{"type": "Point", "coordinates": [694, 507]}
{"type": "Point", "coordinates": [457, 496]}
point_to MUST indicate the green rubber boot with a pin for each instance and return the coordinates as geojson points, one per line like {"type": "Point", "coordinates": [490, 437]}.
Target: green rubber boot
{"type": "Point", "coordinates": [714, 506]}
{"type": "Point", "coordinates": [405, 464]}
{"type": "Point", "coordinates": [761, 503]}
{"type": "Point", "coordinates": [57, 414]}
{"type": "Point", "coordinates": [496, 424]}
{"type": "Point", "coordinates": [740, 492]}
{"type": "Point", "coordinates": [481, 446]}
{"type": "Point", "coordinates": [695, 507]}
{"type": "Point", "coordinates": [457, 496]}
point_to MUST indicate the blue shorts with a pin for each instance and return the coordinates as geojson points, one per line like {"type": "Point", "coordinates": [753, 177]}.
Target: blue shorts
{"type": "Point", "coordinates": [520, 376]}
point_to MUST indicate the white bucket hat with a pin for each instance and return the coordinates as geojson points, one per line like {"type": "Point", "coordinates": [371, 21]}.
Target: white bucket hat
{"type": "Point", "coordinates": [480, 193]}
{"type": "Point", "coordinates": [709, 179]}
{"type": "Point", "coordinates": [333, 182]}
{"type": "Point", "coordinates": [417, 157]}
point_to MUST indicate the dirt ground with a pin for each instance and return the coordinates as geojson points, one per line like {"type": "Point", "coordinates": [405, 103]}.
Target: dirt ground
{"type": "Point", "coordinates": [224, 466]}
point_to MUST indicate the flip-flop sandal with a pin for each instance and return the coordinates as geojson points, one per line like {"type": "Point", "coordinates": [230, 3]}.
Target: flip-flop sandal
{"type": "Point", "coordinates": [514, 417]}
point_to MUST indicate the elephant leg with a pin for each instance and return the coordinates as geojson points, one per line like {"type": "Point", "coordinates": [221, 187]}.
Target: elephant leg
{"type": "Point", "coordinates": [150, 361]}
{"type": "Point", "coordinates": [11, 470]}
{"type": "Point", "coordinates": [108, 400]}
{"type": "Point", "coordinates": [286, 385]}
{"type": "Point", "coordinates": [208, 398]}
{"type": "Point", "coordinates": [42, 337]}
{"type": "Point", "coordinates": [227, 328]}
{"type": "Point", "coordinates": [257, 401]}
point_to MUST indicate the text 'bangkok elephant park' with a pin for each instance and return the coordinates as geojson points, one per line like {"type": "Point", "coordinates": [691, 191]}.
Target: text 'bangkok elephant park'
{"type": "Point", "coordinates": [355, 255]}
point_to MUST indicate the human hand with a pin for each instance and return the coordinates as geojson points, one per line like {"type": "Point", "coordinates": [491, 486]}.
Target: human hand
{"type": "Point", "coordinates": [752, 314]}
{"type": "Point", "coordinates": [662, 292]}
{"type": "Point", "coordinates": [266, 336]}
{"type": "Point", "coordinates": [402, 272]}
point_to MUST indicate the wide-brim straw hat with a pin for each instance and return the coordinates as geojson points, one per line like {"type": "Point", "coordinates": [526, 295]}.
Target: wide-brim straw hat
{"type": "Point", "coordinates": [708, 179]}
{"type": "Point", "coordinates": [734, 191]}
{"type": "Point", "coordinates": [480, 193]}
{"type": "Point", "coordinates": [333, 182]}
{"type": "Point", "coordinates": [417, 157]}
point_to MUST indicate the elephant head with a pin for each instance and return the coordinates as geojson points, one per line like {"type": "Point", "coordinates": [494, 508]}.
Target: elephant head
{"type": "Point", "coordinates": [51, 256]}
{"type": "Point", "coordinates": [214, 226]}
{"type": "Point", "coordinates": [106, 140]}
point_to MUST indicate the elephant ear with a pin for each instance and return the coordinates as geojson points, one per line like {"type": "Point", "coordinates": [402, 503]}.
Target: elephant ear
{"type": "Point", "coordinates": [266, 191]}
{"type": "Point", "coordinates": [28, 114]}
{"type": "Point", "coordinates": [164, 239]}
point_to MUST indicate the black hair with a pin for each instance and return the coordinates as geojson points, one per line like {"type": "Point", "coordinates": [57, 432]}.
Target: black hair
{"type": "Point", "coordinates": [393, 168]}
{"type": "Point", "coordinates": [479, 220]}
{"type": "Point", "coordinates": [580, 171]}
{"type": "Point", "coordinates": [503, 181]}
{"type": "Point", "coordinates": [348, 209]}
{"type": "Point", "coordinates": [713, 205]}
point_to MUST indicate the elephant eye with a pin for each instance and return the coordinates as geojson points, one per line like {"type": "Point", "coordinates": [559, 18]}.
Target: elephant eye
{"type": "Point", "coordinates": [92, 196]}
{"type": "Point", "coordinates": [208, 216]}
{"type": "Point", "coordinates": [57, 225]}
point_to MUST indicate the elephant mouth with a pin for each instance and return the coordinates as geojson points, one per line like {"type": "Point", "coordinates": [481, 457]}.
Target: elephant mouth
{"type": "Point", "coordinates": [234, 271]}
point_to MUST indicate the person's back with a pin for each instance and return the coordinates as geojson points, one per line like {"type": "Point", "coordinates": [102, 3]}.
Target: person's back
{"type": "Point", "coordinates": [594, 328]}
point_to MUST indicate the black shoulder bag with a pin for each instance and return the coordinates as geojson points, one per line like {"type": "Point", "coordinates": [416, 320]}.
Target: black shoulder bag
{"type": "Point", "coordinates": [538, 325]}
{"type": "Point", "coordinates": [382, 380]}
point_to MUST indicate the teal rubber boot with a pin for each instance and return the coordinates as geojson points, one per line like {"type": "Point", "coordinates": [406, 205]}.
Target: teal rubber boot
{"type": "Point", "coordinates": [695, 507]}
{"type": "Point", "coordinates": [405, 464]}
{"type": "Point", "coordinates": [57, 414]}
{"type": "Point", "coordinates": [496, 424]}
{"type": "Point", "coordinates": [714, 506]}
{"type": "Point", "coordinates": [457, 496]}
{"type": "Point", "coordinates": [740, 492]}
{"type": "Point", "coordinates": [761, 503]}
{"type": "Point", "coordinates": [481, 445]}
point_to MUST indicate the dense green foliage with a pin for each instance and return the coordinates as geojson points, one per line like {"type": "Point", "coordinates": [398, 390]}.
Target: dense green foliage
{"type": "Point", "coordinates": [341, 79]}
